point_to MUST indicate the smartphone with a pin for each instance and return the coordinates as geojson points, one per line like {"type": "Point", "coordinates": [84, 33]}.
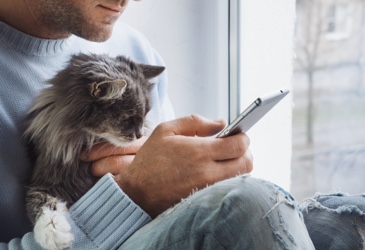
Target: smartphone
{"type": "Point", "coordinates": [253, 113]}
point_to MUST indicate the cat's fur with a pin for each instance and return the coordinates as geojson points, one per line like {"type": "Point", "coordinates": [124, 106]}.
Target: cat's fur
{"type": "Point", "coordinates": [95, 98]}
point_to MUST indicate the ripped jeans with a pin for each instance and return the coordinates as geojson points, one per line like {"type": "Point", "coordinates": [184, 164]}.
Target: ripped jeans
{"type": "Point", "coordinates": [335, 221]}
{"type": "Point", "coordinates": [239, 213]}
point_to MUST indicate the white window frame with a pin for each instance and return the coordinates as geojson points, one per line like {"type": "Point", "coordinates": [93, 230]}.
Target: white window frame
{"type": "Point", "coordinates": [264, 64]}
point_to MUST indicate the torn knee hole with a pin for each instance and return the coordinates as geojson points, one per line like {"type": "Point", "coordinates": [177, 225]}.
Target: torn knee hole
{"type": "Point", "coordinates": [280, 198]}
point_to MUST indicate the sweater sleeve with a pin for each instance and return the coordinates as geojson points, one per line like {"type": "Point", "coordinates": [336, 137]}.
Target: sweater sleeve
{"type": "Point", "coordinates": [102, 219]}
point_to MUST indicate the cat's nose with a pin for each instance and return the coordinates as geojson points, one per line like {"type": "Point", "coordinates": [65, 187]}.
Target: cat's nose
{"type": "Point", "coordinates": [138, 133]}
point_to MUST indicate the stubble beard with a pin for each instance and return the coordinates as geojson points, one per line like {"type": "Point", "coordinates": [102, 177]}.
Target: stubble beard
{"type": "Point", "coordinates": [93, 33]}
{"type": "Point", "coordinates": [66, 20]}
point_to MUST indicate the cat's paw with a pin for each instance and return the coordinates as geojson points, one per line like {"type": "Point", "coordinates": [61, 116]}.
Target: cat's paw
{"type": "Point", "coordinates": [51, 230]}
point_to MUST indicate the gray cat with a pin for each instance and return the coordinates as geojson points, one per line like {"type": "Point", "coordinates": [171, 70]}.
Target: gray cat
{"type": "Point", "coordinates": [95, 99]}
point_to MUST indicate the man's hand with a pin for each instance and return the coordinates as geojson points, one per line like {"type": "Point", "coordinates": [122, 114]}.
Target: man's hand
{"type": "Point", "coordinates": [179, 157]}
{"type": "Point", "coordinates": [107, 158]}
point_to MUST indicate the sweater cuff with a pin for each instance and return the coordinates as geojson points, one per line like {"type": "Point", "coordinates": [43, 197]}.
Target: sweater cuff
{"type": "Point", "coordinates": [107, 216]}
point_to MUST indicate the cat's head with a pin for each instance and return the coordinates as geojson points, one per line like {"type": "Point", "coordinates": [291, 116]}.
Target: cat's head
{"type": "Point", "coordinates": [108, 98]}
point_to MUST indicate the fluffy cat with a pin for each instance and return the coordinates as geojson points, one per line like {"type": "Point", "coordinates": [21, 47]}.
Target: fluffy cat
{"type": "Point", "coordinates": [96, 98]}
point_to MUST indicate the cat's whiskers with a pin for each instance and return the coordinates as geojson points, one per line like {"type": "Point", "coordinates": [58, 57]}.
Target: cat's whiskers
{"type": "Point", "coordinates": [146, 131]}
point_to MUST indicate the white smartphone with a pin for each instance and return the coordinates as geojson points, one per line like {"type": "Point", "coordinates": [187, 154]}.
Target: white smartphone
{"type": "Point", "coordinates": [253, 113]}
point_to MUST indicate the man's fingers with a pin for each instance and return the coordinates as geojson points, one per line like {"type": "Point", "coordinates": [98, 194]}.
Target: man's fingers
{"type": "Point", "coordinates": [105, 149]}
{"type": "Point", "coordinates": [233, 167]}
{"type": "Point", "coordinates": [112, 164]}
{"type": "Point", "coordinates": [193, 125]}
{"type": "Point", "coordinates": [230, 147]}
{"type": "Point", "coordinates": [240, 165]}
{"type": "Point", "coordinates": [221, 170]}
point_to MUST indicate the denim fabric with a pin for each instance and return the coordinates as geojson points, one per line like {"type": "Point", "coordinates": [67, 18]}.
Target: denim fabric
{"type": "Point", "coordinates": [239, 213]}
{"type": "Point", "coordinates": [335, 221]}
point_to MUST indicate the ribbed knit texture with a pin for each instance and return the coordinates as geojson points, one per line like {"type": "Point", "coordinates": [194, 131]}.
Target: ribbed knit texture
{"type": "Point", "coordinates": [105, 216]}
{"type": "Point", "coordinates": [30, 45]}
{"type": "Point", "coordinates": [108, 221]}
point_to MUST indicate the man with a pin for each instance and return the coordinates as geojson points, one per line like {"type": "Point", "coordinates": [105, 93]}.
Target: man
{"type": "Point", "coordinates": [128, 210]}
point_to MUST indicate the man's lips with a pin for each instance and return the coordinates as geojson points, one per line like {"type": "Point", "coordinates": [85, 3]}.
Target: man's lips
{"type": "Point", "coordinates": [116, 9]}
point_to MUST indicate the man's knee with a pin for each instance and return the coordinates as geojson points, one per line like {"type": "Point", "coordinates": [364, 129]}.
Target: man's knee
{"type": "Point", "coordinates": [335, 221]}
{"type": "Point", "coordinates": [248, 213]}
{"type": "Point", "coordinates": [239, 213]}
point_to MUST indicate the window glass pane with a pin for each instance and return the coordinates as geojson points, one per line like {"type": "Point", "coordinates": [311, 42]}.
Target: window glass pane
{"type": "Point", "coordinates": [265, 64]}
{"type": "Point", "coordinates": [329, 98]}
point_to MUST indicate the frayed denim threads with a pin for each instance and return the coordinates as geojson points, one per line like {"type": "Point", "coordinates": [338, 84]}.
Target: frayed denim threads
{"type": "Point", "coordinates": [335, 221]}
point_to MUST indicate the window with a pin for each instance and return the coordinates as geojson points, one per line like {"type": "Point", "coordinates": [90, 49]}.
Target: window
{"type": "Point", "coordinates": [265, 53]}
{"type": "Point", "coordinates": [314, 139]}
{"type": "Point", "coordinates": [338, 23]}
{"type": "Point", "coordinates": [329, 98]}
{"type": "Point", "coordinates": [327, 146]}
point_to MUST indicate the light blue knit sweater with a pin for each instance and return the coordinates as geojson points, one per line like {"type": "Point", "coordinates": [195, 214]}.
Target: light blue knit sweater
{"type": "Point", "coordinates": [105, 216]}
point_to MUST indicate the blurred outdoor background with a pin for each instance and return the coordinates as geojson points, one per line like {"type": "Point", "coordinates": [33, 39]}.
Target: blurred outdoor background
{"type": "Point", "coordinates": [329, 98]}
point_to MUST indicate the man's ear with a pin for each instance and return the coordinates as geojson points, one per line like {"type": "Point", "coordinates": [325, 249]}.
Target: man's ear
{"type": "Point", "coordinates": [151, 71]}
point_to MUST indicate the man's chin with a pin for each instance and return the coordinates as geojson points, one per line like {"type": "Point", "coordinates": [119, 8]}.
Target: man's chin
{"type": "Point", "coordinates": [97, 35]}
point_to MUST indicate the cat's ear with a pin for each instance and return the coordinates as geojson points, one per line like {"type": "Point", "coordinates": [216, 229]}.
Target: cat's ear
{"type": "Point", "coordinates": [151, 71]}
{"type": "Point", "coordinates": [108, 89]}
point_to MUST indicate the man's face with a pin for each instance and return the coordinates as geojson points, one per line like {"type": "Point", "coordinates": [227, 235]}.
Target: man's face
{"type": "Point", "coordinates": [89, 19]}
